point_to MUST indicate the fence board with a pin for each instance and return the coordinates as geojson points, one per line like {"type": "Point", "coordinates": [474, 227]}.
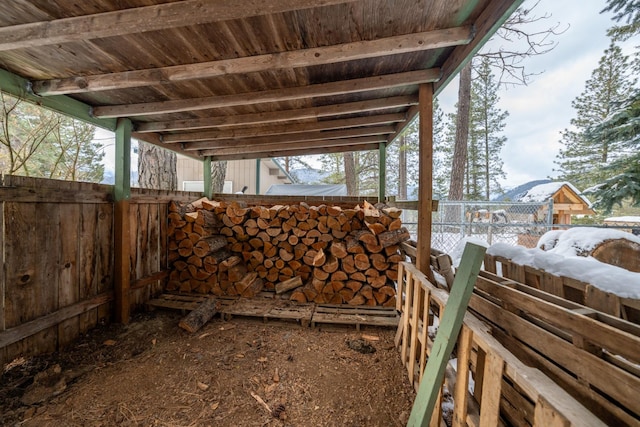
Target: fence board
{"type": "Point", "coordinates": [69, 283]}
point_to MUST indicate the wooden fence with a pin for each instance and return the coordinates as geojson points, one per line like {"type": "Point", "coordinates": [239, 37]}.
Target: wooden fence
{"type": "Point", "coordinates": [504, 391]}
{"type": "Point", "coordinates": [57, 244]}
{"type": "Point", "coordinates": [565, 287]}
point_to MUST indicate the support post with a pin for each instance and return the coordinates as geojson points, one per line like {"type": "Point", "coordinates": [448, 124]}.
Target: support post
{"type": "Point", "coordinates": [447, 335]}
{"type": "Point", "coordinates": [258, 176]}
{"type": "Point", "coordinates": [206, 177]}
{"type": "Point", "coordinates": [122, 194]}
{"type": "Point", "coordinates": [382, 171]}
{"type": "Point", "coordinates": [425, 184]}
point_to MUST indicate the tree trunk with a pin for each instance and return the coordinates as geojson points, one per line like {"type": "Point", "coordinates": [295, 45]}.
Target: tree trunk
{"type": "Point", "coordinates": [218, 174]}
{"type": "Point", "coordinates": [462, 135]}
{"type": "Point", "coordinates": [350, 173]}
{"type": "Point", "coordinates": [156, 167]}
{"type": "Point", "coordinates": [402, 169]}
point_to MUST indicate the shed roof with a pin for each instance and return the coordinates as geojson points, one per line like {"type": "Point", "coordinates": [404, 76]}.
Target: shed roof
{"type": "Point", "coordinates": [242, 79]}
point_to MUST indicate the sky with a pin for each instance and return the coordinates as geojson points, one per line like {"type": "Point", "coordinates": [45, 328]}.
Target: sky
{"type": "Point", "coordinates": [540, 111]}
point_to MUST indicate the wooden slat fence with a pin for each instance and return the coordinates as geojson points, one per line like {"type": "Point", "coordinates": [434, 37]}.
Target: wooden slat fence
{"type": "Point", "coordinates": [566, 287]}
{"type": "Point", "coordinates": [58, 257]}
{"type": "Point", "coordinates": [505, 391]}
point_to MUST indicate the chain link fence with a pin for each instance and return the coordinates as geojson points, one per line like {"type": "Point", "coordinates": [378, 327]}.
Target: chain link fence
{"type": "Point", "coordinates": [492, 222]}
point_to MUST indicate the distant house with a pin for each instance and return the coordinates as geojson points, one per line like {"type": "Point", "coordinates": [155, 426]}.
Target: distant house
{"type": "Point", "coordinates": [257, 175]}
{"type": "Point", "coordinates": [307, 190]}
{"type": "Point", "coordinates": [630, 224]}
{"type": "Point", "coordinates": [567, 199]}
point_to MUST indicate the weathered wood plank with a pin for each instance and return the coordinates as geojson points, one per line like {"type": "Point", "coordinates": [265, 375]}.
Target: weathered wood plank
{"type": "Point", "coordinates": [145, 18]}
{"type": "Point", "coordinates": [295, 151]}
{"type": "Point", "coordinates": [425, 194]}
{"type": "Point", "coordinates": [274, 95]}
{"type": "Point", "coordinates": [272, 141]}
{"type": "Point", "coordinates": [69, 278]}
{"type": "Point", "coordinates": [300, 58]}
{"type": "Point", "coordinates": [279, 116]}
{"type": "Point", "coordinates": [15, 334]}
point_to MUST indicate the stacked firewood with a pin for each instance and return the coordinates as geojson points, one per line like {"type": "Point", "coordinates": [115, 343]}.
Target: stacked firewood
{"type": "Point", "coordinates": [322, 254]}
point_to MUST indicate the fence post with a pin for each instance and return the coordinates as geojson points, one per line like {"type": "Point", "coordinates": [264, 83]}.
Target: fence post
{"type": "Point", "coordinates": [447, 335]}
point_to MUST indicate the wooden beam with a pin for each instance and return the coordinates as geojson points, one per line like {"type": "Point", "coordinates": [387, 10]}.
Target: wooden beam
{"type": "Point", "coordinates": [296, 151]}
{"type": "Point", "coordinates": [274, 95]}
{"type": "Point", "coordinates": [247, 132]}
{"type": "Point", "coordinates": [447, 335]}
{"type": "Point", "coordinates": [382, 171]}
{"type": "Point", "coordinates": [143, 19]}
{"type": "Point", "coordinates": [300, 58]}
{"type": "Point", "coordinates": [122, 194]}
{"type": "Point", "coordinates": [292, 145]}
{"type": "Point", "coordinates": [208, 182]}
{"type": "Point", "coordinates": [288, 139]}
{"type": "Point", "coordinates": [279, 116]}
{"type": "Point", "coordinates": [19, 87]}
{"type": "Point", "coordinates": [425, 180]}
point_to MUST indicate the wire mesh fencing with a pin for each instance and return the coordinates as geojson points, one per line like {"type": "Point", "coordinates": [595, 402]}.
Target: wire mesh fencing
{"type": "Point", "coordinates": [492, 222]}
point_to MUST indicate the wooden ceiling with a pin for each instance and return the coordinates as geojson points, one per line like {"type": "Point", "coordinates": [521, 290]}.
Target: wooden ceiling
{"type": "Point", "coordinates": [246, 78]}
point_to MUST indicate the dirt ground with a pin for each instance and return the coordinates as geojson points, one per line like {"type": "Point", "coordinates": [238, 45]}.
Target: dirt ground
{"type": "Point", "coordinates": [240, 372]}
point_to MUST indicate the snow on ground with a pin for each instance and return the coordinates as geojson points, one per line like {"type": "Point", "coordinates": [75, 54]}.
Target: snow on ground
{"type": "Point", "coordinates": [560, 257]}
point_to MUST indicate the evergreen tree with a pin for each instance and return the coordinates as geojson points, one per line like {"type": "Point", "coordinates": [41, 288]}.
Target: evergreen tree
{"type": "Point", "coordinates": [487, 123]}
{"type": "Point", "coordinates": [157, 167]}
{"type": "Point", "coordinates": [582, 160]}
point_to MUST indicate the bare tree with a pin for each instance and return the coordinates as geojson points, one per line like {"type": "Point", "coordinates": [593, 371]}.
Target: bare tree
{"type": "Point", "coordinates": [509, 59]}
{"type": "Point", "coordinates": [25, 128]}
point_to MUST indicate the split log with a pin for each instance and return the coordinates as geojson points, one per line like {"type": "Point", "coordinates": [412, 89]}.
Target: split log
{"type": "Point", "coordinates": [207, 245]}
{"type": "Point", "coordinates": [288, 285]}
{"type": "Point", "coordinates": [394, 237]}
{"type": "Point", "coordinates": [200, 316]}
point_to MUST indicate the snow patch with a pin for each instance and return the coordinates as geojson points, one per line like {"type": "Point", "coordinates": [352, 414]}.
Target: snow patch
{"type": "Point", "coordinates": [562, 261]}
{"type": "Point", "coordinates": [456, 253]}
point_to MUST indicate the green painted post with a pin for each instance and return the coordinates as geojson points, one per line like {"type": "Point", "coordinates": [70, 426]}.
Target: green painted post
{"type": "Point", "coordinates": [257, 176]}
{"type": "Point", "coordinates": [122, 189]}
{"type": "Point", "coordinates": [382, 174]}
{"type": "Point", "coordinates": [450, 325]}
{"type": "Point", "coordinates": [206, 176]}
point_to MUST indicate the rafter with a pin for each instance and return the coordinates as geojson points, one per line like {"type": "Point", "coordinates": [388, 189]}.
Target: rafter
{"type": "Point", "coordinates": [284, 147]}
{"type": "Point", "coordinates": [255, 131]}
{"type": "Point", "coordinates": [299, 58]}
{"type": "Point", "coordinates": [280, 116]}
{"type": "Point", "coordinates": [297, 152]}
{"type": "Point", "coordinates": [290, 139]}
{"type": "Point", "coordinates": [142, 19]}
{"type": "Point", "coordinates": [274, 95]}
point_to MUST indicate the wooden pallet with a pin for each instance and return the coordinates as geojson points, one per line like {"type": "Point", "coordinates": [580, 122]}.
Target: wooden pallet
{"type": "Point", "coordinates": [355, 315]}
{"type": "Point", "coordinates": [266, 307]}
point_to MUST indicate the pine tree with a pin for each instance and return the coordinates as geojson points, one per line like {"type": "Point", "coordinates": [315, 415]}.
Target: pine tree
{"type": "Point", "coordinates": [485, 135]}
{"type": "Point", "coordinates": [582, 161]}
{"type": "Point", "coordinates": [157, 167]}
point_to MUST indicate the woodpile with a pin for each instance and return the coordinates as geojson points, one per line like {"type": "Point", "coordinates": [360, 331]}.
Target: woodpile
{"type": "Point", "coordinates": [322, 254]}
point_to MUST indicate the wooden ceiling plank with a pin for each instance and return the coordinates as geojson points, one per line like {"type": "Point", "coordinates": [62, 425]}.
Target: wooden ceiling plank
{"type": "Point", "coordinates": [279, 116]}
{"type": "Point", "coordinates": [274, 148]}
{"type": "Point", "coordinates": [143, 19]}
{"type": "Point", "coordinates": [249, 132]}
{"type": "Point", "coordinates": [365, 84]}
{"type": "Point", "coordinates": [301, 58]}
{"type": "Point", "coordinates": [290, 139]}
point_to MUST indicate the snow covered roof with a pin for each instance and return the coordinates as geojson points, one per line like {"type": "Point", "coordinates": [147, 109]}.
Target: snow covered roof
{"type": "Point", "coordinates": [624, 219]}
{"type": "Point", "coordinates": [307, 190]}
{"type": "Point", "coordinates": [541, 191]}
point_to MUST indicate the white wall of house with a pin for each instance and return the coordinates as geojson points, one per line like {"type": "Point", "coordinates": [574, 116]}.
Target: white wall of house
{"type": "Point", "coordinates": [239, 173]}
